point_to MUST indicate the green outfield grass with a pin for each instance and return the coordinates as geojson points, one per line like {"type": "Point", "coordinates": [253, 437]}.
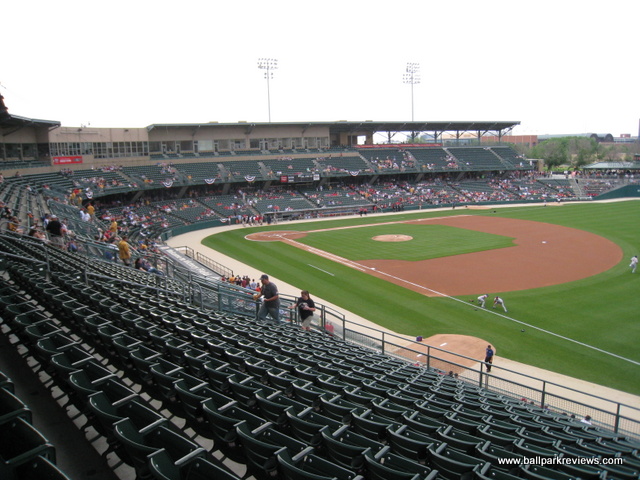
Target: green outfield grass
{"type": "Point", "coordinates": [602, 311]}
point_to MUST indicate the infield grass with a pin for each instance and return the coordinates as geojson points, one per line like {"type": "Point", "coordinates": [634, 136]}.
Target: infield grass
{"type": "Point", "coordinates": [602, 311]}
{"type": "Point", "coordinates": [427, 242]}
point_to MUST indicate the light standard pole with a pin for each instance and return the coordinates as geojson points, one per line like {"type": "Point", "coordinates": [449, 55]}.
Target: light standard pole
{"type": "Point", "coordinates": [412, 77]}
{"type": "Point", "coordinates": [268, 64]}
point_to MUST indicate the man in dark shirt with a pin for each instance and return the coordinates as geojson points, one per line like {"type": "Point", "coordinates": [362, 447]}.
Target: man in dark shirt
{"type": "Point", "coordinates": [54, 228]}
{"type": "Point", "coordinates": [270, 299]}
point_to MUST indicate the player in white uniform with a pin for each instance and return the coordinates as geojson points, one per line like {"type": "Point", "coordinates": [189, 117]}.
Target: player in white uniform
{"type": "Point", "coordinates": [634, 263]}
{"type": "Point", "coordinates": [482, 299]}
{"type": "Point", "coordinates": [499, 301]}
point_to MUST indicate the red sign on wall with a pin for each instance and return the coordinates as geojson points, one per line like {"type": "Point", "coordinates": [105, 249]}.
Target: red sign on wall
{"type": "Point", "coordinates": [67, 160]}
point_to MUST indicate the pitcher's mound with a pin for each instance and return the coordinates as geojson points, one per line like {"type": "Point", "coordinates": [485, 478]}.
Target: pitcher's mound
{"type": "Point", "coordinates": [393, 238]}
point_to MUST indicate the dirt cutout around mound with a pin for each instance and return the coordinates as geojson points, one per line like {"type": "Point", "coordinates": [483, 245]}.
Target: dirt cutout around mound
{"type": "Point", "coordinates": [392, 238]}
{"type": "Point", "coordinates": [543, 255]}
{"type": "Point", "coordinates": [445, 356]}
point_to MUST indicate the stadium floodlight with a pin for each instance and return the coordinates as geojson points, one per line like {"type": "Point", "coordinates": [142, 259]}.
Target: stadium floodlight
{"type": "Point", "coordinates": [412, 77]}
{"type": "Point", "coordinates": [268, 64]}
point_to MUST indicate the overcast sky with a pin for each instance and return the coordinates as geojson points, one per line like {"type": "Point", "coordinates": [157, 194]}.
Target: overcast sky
{"type": "Point", "coordinates": [556, 66]}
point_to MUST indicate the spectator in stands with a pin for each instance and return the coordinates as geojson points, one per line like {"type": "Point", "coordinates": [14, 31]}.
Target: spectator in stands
{"type": "Point", "coordinates": [586, 419]}
{"type": "Point", "coordinates": [488, 358]}
{"type": "Point", "coordinates": [35, 232]}
{"type": "Point", "coordinates": [14, 224]}
{"type": "Point", "coordinates": [72, 246]}
{"type": "Point", "coordinates": [54, 228]}
{"type": "Point", "coordinates": [270, 299]}
{"type": "Point", "coordinates": [142, 263]}
{"type": "Point", "coordinates": [306, 307]}
{"type": "Point", "coordinates": [6, 212]}
{"type": "Point", "coordinates": [124, 251]}
{"type": "Point", "coordinates": [91, 210]}
{"type": "Point", "coordinates": [111, 251]}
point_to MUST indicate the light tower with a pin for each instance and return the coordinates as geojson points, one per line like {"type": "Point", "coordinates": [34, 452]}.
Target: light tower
{"type": "Point", "coordinates": [268, 65]}
{"type": "Point", "coordinates": [412, 77]}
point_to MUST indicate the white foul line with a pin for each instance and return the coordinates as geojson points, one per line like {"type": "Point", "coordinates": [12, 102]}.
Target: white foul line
{"type": "Point", "coordinates": [318, 268]}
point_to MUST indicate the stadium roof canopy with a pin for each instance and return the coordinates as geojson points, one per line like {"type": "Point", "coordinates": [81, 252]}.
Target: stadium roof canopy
{"type": "Point", "coordinates": [11, 123]}
{"type": "Point", "coordinates": [614, 166]}
{"type": "Point", "coordinates": [368, 126]}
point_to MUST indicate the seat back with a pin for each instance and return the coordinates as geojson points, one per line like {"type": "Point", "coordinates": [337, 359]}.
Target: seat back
{"type": "Point", "coordinates": [389, 466]}
{"type": "Point", "coordinates": [261, 446]}
{"type": "Point", "coordinates": [40, 468]}
{"type": "Point", "coordinates": [307, 466]}
{"type": "Point", "coordinates": [21, 442]}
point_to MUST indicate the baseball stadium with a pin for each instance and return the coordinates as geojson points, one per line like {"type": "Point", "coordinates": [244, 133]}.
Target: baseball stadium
{"type": "Point", "coordinates": [133, 346]}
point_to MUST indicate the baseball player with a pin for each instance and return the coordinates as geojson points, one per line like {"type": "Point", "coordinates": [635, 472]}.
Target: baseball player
{"type": "Point", "coordinates": [499, 301]}
{"type": "Point", "coordinates": [634, 263]}
{"type": "Point", "coordinates": [482, 299]}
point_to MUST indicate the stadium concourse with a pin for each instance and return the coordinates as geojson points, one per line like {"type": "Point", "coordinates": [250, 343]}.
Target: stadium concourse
{"type": "Point", "coordinates": [194, 239]}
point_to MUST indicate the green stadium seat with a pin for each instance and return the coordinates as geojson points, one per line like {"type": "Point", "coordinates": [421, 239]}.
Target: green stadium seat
{"type": "Point", "coordinates": [390, 410]}
{"type": "Point", "coordinates": [139, 444]}
{"type": "Point", "coordinates": [274, 407]}
{"type": "Point", "coordinates": [261, 446]}
{"type": "Point", "coordinates": [218, 376]}
{"type": "Point", "coordinates": [339, 409]}
{"type": "Point", "coordinates": [309, 394]}
{"type": "Point", "coordinates": [501, 425]}
{"type": "Point", "coordinates": [39, 468]}
{"type": "Point", "coordinates": [21, 442]}
{"type": "Point", "coordinates": [459, 439]}
{"type": "Point", "coordinates": [12, 407]}
{"type": "Point", "coordinates": [163, 467]}
{"type": "Point", "coordinates": [372, 425]}
{"type": "Point", "coordinates": [410, 444]}
{"type": "Point", "coordinates": [245, 391]}
{"type": "Point", "coordinates": [107, 413]}
{"type": "Point", "coordinates": [522, 447]}
{"type": "Point", "coordinates": [423, 424]}
{"type": "Point", "coordinates": [388, 466]}
{"type": "Point", "coordinates": [536, 438]}
{"type": "Point", "coordinates": [489, 472]}
{"type": "Point", "coordinates": [70, 360]}
{"type": "Point", "coordinates": [625, 472]}
{"type": "Point", "coordinates": [142, 358]}
{"type": "Point", "coordinates": [307, 425]}
{"type": "Point", "coordinates": [347, 448]}
{"type": "Point", "coordinates": [451, 463]}
{"type": "Point", "coordinates": [535, 472]}
{"type": "Point", "coordinates": [223, 420]}
{"type": "Point", "coordinates": [496, 437]}
{"type": "Point", "coordinates": [493, 453]}
{"type": "Point", "coordinates": [308, 466]}
{"type": "Point", "coordinates": [462, 423]}
{"type": "Point", "coordinates": [192, 395]}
